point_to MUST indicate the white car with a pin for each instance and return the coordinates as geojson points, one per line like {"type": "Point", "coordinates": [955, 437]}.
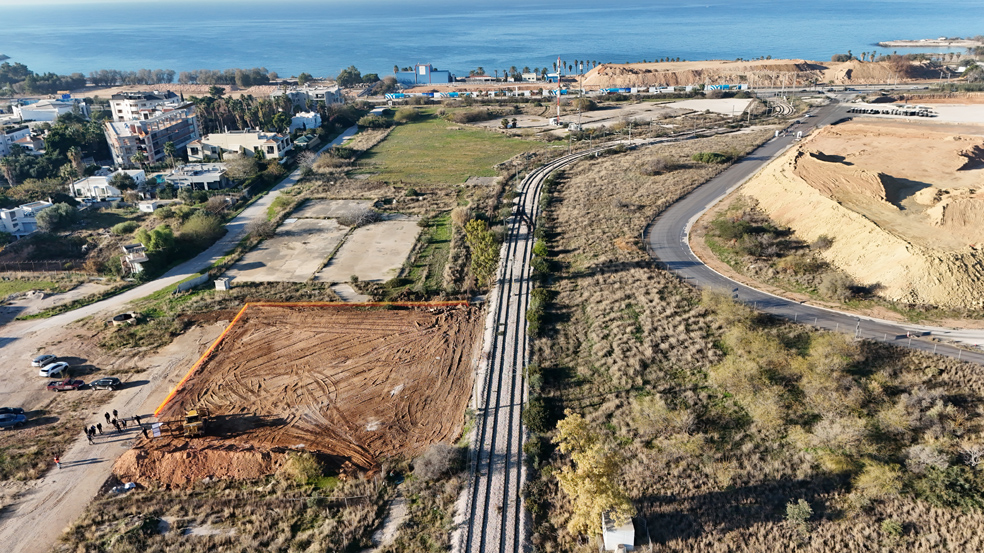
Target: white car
{"type": "Point", "coordinates": [43, 360]}
{"type": "Point", "coordinates": [54, 369]}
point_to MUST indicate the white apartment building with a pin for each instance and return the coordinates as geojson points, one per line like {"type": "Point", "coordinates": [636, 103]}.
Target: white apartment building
{"type": "Point", "coordinates": [133, 106]}
{"type": "Point", "coordinates": [21, 220]}
{"type": "Point", "coordinates": [9, 136]}
{"type": "Point", "coordinates": [307, 96]}
{"type": "Point", "coordinates": [214, 146]}
{"type": "Point", "coordinates": [49, 110]}
{"type": "Point", "coordinates": [177, 123]}
{"type": "Point", "coordinates": [97, 187]}
{"type": "Point", "coordinates": [305, 120]}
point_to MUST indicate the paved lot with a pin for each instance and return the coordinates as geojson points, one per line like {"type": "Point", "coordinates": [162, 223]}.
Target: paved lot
{"type": "Point", "coordinates": [293, 254]}
{"type": "Point", "coordinates": [375, 252]}
{"type": "Point", "coordinates": [324, 209]}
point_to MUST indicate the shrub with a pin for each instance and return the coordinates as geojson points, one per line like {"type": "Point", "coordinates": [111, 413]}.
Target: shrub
{"type": "Point", "coordinates": [56, 217]}
{"type": "Point", "coordinates": [823, 242]}
{"type": "Point", "coordinates": [160, 239]}
{"type": "Point", "coordinates": [838, 286]}
{"type": "Point", "coordinates": [405, 115]}
{"type": "Point", "coordinates": [798, 514]}
{"type": "Point", "coordinates": [437, 461]}
{"type": "Point", "coordinates": [878, 481]}
{"type": "Point", "coordinates": [484, 250]}
{"type": "Point", "coordinates": [126, 227]}
{"type": "Point", "coordinates": [300, 468]}
{"type": "Point", "coordinates": [656, 166]}
{"type": "Point", "coordinates": [953, 487]}
{"type": "Point", "coordinates": [710, 157]}
{"type": "Point", "coordinates": [202, 229]}
{"type": "Point", "coordinates": [536, 416]}
{"type": "Point", "coordinates": [731, 229]}
{"type": "Point", "coordinates": [359, 217]}
{"type": "Point", "coordinates": [374, 122]}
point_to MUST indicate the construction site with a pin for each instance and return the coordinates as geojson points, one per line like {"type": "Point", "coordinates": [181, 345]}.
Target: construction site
{"type": "Point", "coordinates": [354, 384]}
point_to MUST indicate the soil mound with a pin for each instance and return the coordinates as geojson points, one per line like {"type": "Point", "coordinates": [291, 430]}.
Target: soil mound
{"type": "Point", "coordinates": [900, 200]}
{"type": "Point", "coordinates": [181, 462]}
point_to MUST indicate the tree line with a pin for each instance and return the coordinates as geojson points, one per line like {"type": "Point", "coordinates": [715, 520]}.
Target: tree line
{"type": "Point", "coordinates": [17, 78]}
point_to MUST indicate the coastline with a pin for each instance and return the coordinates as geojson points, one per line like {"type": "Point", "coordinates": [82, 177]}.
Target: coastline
{"type": "Point", "coordinates": [931, 43]}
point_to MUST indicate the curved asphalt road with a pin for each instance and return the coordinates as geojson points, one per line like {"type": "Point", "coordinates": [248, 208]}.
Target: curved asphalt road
{"type": "Point", "coordinates": [666, 239]}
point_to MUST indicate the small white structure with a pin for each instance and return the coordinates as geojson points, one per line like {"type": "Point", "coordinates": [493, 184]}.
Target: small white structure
{"type": "Point", "coordinates": [149, 207]}
{"type": "Point", "coordinates": [10, 136]}
{"type": "Point", "coordinates": [49, 110]}
{"type": "Point", "coordinates": [616, 536]}
{"type": "Point", "coordinates": [21, 220]}
{"type": "Point", "coordinates": [530, 77]}
{"type": "Point", "coordinates": [199, 176]}
{"type": "Point", "coordinates": [97, 187]}
{"type": "Point", "coordinates": [134, 256]}
{"type": "Point", "coordinates": [222, 283]}
{"type": "Point", "coordinates": [305, 120]}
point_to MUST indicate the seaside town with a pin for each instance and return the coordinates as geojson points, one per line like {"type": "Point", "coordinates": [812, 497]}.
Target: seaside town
{"type": "Point", "coordinates": [665, 305]}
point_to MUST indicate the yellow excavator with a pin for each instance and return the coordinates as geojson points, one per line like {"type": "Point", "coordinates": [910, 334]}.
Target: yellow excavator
{"type": "Point", "coordinates": [195, 422]}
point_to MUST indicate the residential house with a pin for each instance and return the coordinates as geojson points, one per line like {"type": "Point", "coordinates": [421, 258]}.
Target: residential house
{"type": "Point", "coordinates": [308, 96]}
{"type": "Point", "coordinates": [97, 187]}
{"type": "Point", "coordinates": [9, 136]}
{"type": "Point", "coordinates": [134, 256]}
{"type": "Point", "coordinates": [170, 122]}
{"type": "Point", "coordinates": [199, 176]}
{"type": "Point", "coordinates": [213, 146]}
{"type": "Point", "coordinates": [305, 120]}
{"type": "Point", "coordinates": [21, 220]}
{"type": "Point", "coordinates": [530, 77]}
{"type": "Point", "coordinates": [134, 106]}
{"type": "Point", "coordinates": [49, 110]}
{"type": "Point", "coordinates": [423, 74]}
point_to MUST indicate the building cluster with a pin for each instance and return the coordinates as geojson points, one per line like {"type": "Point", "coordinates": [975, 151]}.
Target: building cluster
{"type": "Point", "coordinates": [145, 121]}
{"type": "Point", "coordinates": [22, 220]}
{"type": "Point", "coordinates": [267, 145]}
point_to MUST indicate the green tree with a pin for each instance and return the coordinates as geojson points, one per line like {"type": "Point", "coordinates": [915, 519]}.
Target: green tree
{"type": "Point", "coordinates": [139, 159]}
{"type": "Point", "coordinates": [281, 122]}
{"type": "Point", "coordinates": [160, 239]}
{"type": "Point", "coordinates": [75, 156]}
{"type": "Point", "coordinates": [123, 181]}
{"type": "Point", "coordinates": [202, 229]}
{"type": "Point", "coordinates": [349, 76]}
{"type": "Point", "coordinates": [304, 78]}
{"type": "Point", "coordinates": [484, 251]}
{"type": "Point", "coordinates": [56, 217]}
{"type": "Point", "coordinates": [216, 92]}
{"type": "Point", "coordinates": [591, 479]}
{"type": "Point", "coordinates": [8, 166]}
{"type": "Point", "coordinates": [171, 152]}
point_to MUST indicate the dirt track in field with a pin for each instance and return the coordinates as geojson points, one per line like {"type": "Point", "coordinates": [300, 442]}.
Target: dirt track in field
{"type": "Point", "coordinates": [356, 383]}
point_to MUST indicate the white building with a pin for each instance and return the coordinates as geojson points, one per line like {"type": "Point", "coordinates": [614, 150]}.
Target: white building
{"type": "Point", "coordinates": [530, 77]}
{"type": "Point", "coordinates": [49, 110]}
{"type": "Point", "coordinates": [307, 96]}
{"type": "Point", "coordinates": [305, 120]}
{"type": "Point", "coordinates": [97, 187]}
{"type": "Point", "coordinates": [248, 142]}
{"type": "Point", "coordinates": [617, 536]}
{"type": "Point", "coordinates": [134, 106]}
{"type": "Point", "coordinates": [9, 136]}
{"type": "Point", "coordinates": [134, 256]}
{"type": "Point", "coordinates": [199, 176]}
{"type": "Point", "coordinates": [21, 220]}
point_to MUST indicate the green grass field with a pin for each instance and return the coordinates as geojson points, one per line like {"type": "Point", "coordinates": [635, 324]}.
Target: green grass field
{"type": "Point", "coordinates": [427, 152]}
{"type": "Point", "coordinates": [8, 287]}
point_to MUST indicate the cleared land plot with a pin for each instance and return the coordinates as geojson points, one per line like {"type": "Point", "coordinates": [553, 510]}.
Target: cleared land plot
{"type": "Point", "coordinates": [608, 115]}
{"type": "Point", "coordinates": [355, 383]}
{"type": "Point", "coordinates": [327, 209]}
{"type": "Point", "coordinates": [434, 151]}
{"type": "Point", "coordinates": [374, 252]}
{"type": "Point", "coordinates": [294, 253]}
{"type": "Point", "coordinates": [724, 106]}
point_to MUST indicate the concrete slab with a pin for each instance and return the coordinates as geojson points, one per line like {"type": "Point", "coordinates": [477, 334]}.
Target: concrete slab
{"type": "Point", "coordinates": [724, 106]}
{"type": "Point", "coordinates": [295, 252]}
{"type": "Point", "coordinates": [348, 294]}
{"type": "Point", "coordinates": [374, 252]}
{"type": "Point", "coordinates": [324, 209]}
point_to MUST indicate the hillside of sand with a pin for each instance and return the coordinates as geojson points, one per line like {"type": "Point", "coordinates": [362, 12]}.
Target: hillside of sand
{"type": "Point", "coordinates": [757, 73]}
{"type": "Point", "coordinates": [903, 203]}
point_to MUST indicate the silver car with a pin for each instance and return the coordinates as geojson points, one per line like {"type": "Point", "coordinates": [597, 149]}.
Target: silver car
{"type": "Point", "coordinates": [43, 360]}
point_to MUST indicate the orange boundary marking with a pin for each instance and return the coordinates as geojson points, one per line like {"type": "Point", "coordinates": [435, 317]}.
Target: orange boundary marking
{"type": "Point", "coordinates": [208, 352]}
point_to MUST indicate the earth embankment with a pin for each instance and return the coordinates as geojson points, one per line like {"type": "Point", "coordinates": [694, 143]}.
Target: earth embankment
{"type": "Point", "coordinates": [902, 203]}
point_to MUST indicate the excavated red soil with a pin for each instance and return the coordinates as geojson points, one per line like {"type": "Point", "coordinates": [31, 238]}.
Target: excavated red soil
{"type": "Point", "coordinates": [353, 384]}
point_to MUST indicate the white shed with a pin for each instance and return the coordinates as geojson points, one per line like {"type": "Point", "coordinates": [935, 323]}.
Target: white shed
{"type": "Point", "coordinates": [616, 536]}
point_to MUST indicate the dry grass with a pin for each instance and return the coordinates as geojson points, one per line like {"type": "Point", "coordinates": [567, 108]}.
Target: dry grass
{"type": "Point", "coordinates": [724, 417]}
{"type": "Point", "coordinates": [228, 516]}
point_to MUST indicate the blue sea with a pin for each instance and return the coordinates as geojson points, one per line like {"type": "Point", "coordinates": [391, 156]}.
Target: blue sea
{"type": "Point", "coordinates": [323, 37]}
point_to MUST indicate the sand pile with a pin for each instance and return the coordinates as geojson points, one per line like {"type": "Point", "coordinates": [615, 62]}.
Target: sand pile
{"type": "Point", "coordinates": [758, 73]}
{"type": "Point", "coordinates": [179, 462]}
{"type": "Point", "coordinates": [903, 203]}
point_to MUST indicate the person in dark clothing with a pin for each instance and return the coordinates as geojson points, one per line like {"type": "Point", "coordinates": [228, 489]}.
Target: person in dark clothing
{"type": "Point", "coordinates": [137, 419]}
{"type": "Point", "coordinates": [107, 417]}
{"type": "Point", "coordinates": [99, 427]}
{"type": "Point", "coordinates": [116, 423]}
{"type": "Point", "coordinates": [88, 436]}
{"type": "Point", "coordinates": [144, 432]}
{"type": "Point", "coordinates": [123, 423]}
{"type": "Point", "coordinates": [115, 414]}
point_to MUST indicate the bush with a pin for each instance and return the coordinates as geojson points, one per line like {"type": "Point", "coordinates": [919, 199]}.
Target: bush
{"type": "Point", "coordinates": [126, 227]}
{"type": "Point", "coordinates": [406, 115]}
{"type": "Point", "coordinates": [731, 229]}
{"type": "Point", "coordinates": [656, 166]}
{"type": "Point", "coordinates": [300, 468]}
{"type": "Point", "coordinates": [202, 229]}
{"type": "Point", "coordinates": [823, 242]}
{"type": "Point", "coordinates": [439, 460]}
{"type": "Point", "coordinates": [374, 122]}
{"type": "Point", "coordinates": [710, 157]}
{"type": "Point", "coordinates": [360, 217]}
{"type": "Point", "coordinates": [56, 217]}
{"type": "Point", "coordinates": [161, 239]}
{"type": "Point", "coordinates": [837, 286]}
{"type": "Point", "coordinates": [536, 416]}
{"type": "Point", "coordinates": [798, 514]}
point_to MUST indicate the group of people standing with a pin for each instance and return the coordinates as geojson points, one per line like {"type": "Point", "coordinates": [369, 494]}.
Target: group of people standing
{"type": "Point", "coordinates": [117, 422]}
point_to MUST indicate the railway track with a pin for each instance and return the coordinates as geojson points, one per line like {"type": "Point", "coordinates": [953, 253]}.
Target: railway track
{"type": "Point", "coordinates": [491, 516]}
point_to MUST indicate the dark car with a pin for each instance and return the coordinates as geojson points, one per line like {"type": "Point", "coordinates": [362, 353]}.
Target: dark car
{"type": "Point", "coordinates": [11, 420]}
{"type": "Point", "coordinates": [62, 385]}
{"type": "Point", "coordinates": [11, 411]}
{"type": "Point", "coordinates": [108, 383]}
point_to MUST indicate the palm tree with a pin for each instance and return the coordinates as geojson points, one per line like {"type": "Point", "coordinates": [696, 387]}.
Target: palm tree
{"type": "Point", "coordinates": [139, 159]}
{"type": "Point", "coordinates": [75, 156]}
{"type": "Point", "coordinates": [7, 165]}
{"type": "Point", "coordinates": [171, 152]}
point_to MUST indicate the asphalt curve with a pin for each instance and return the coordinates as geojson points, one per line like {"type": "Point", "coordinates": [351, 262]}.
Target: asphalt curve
{"type": "Point", "coordinates": [666, 239]}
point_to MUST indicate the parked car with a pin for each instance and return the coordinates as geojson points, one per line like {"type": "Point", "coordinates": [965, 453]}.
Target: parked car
{"type": "Point", "coordinates": [43, 360]}
{"type": "Point", "coordinates": [108, 383]}
{"type": "Point", "coordinates": [11, 411]}
{"type": "Point", "coordinates": [11, 420]}
{"type": "Point", "coordinates": [62, 385]}
{"type": "Point", "coordinates": [54, 369]}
